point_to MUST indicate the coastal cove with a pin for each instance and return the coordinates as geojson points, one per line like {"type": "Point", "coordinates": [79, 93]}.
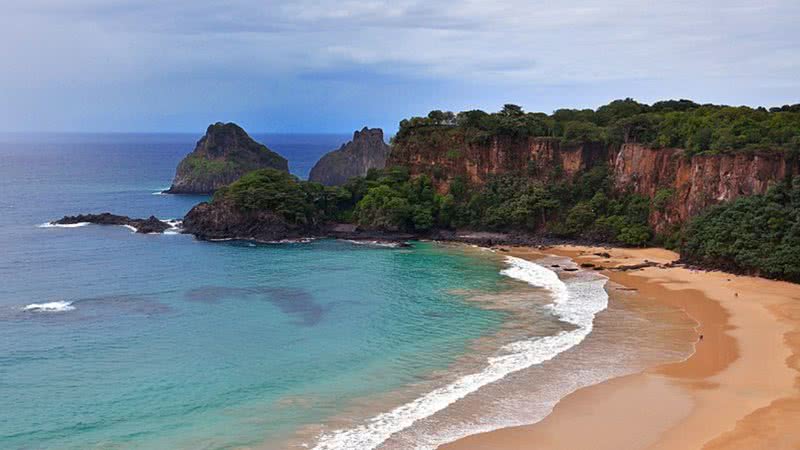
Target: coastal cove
{"type": "Point", "coordinates": [305, 327]}
{"type": "Point", "coordinates": [400, 225]}
{"type": "Point", "coordinates": [162, 341]}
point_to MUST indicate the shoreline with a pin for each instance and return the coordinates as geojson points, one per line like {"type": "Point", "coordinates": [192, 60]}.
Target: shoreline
{"type": "Point", "coordinates": [739, 389]}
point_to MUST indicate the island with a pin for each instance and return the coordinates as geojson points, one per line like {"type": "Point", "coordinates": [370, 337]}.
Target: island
{"type": "Point", "coordinates": [224, 154]}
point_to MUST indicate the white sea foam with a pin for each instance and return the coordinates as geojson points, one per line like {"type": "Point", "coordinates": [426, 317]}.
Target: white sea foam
{"type": "Point", "coordinates": [577, 304]}
{"type": "Point", "coordinates": [175, 225]}
{"type": "Point", "coordinates": [63, 225]}
{"type": "Point", "coordinates": [132, 228]}
{"type": "Point", "coordinates": [161, 191]}
{"type": "Point", "coordinates": [59, 306]}
{"type": "Point", "coordinates": [374, 243]}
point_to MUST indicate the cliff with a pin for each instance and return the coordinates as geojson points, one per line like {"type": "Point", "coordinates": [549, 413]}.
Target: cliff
{"type": "Point", "coordinates": [452, 158]}
{"type": "Point", "coordinates": [366, 151]}
{"type": "Point", "coordinates": [224, 154]}
{"type": "Point", "coordinates": [681, 186]}
{"type": "Point", "coordinates": [698, 182]}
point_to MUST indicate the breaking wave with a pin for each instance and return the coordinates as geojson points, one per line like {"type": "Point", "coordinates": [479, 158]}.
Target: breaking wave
{"type": "Point", "coordinates": [59, 306]}
{"type": "Point", "coordinates": [576, 304]}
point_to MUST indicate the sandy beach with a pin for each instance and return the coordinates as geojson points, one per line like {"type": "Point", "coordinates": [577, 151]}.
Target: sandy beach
{"type": "Point", "coordinates": [739, 390]}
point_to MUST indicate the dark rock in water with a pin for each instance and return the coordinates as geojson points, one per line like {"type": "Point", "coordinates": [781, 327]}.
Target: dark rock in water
{"type": "Point", "coordinates": [587, 265]}
{"type": "Point", "coordinates": [570, 269]}
{"type": "Point", "coordinates": [149, 225]}
{"type": "Point", "coordinates": [224, 154]}
{"type": "Point", "coordinates": [603, 255]}
{"type": "Point", "coordinates": [554, 265]}
{"type": "Point", "coordinates": [366, 151]}
{"type": "Point", "coordinates": [223, 220]}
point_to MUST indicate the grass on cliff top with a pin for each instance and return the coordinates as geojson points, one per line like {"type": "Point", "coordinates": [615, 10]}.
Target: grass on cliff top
{"type": "Point", "coordinates": [674, 123]}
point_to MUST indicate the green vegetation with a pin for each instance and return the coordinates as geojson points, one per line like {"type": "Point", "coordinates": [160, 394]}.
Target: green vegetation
{"type": "Point", "coordinates": [298, 202]}
{"type": "Point", "coordinates": [758, 234]}
{"type": "Point", "coordinates": [392, 200]}
{"type": "Point", "coordinates": [673, 123]}
{"type": "Point", "coordinates": [201, 168]}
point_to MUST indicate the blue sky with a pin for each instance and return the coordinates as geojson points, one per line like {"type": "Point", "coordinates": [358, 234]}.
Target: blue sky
{"type": "Point", "coordinates": [335, 66]}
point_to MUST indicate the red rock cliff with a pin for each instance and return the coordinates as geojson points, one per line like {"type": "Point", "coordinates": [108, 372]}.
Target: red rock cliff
{"type": "Point", "coordinates": [694, 183]}
{"type": "Point", "coordinates": [450, 158]}
{"type": "Point", "coordinates": [697, 182]}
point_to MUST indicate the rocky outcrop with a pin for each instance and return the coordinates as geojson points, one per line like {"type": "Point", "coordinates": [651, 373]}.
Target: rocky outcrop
{"type": "Point", "coordinates": [223, 220]}
{"type": "Point", "coordinates": [224, 154]}
{"type": "Point", "coordinates": [686, 185]}
{"type": "Point", "coordinates": [366, 151]}
{"type": "Point", "coordinates": [693, 184]}
{"type": "Point", "coordinates": [149, 225]}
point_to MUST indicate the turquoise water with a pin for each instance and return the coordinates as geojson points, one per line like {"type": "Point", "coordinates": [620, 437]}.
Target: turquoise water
{"type": "Point", "coordinates": [166, 342]}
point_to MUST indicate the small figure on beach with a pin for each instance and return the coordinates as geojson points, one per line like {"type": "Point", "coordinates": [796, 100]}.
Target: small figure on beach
{"type": "Point", "coordinates": [701, 337]}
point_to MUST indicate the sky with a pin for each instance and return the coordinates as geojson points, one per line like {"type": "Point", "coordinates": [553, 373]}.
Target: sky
{"type": "Point", "coordinates": [336, 66]}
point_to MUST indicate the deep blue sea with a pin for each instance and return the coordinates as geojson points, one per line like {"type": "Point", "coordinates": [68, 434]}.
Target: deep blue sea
{"type": "Point", "coordinates": [116, 340]}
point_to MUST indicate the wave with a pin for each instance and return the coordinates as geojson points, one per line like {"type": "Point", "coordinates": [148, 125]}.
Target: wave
{"type": "Point", "coordinates": [576, 304]}
{"type": "Point", "coordinates": [175, 226]}
{"type": "Point", "coordinates": [59, 306]}
{"type": "Point", "coordinates": [162, 191]}
{"type": "Point", "coordinates": [63, 225]}
{"type": "Point", "coordinates": [374, 243]}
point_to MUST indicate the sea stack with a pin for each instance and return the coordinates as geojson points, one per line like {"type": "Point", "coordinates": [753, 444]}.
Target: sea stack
{"type": "Point", "coordinates": [366, 151]}
{"type": "Point", "coordinates": [224, 154]}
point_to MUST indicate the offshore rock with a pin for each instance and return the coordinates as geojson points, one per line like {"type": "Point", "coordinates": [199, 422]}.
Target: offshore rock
{"type": "Point", "coordinates": [366, 151]}
{"type": "Point", "coordinates": [146, 226]}
{"type": "Point", "coordinates": [224, 154]}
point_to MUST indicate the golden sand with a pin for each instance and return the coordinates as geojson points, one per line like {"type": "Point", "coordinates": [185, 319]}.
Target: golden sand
{"type": "Point", "coordinates": [739, 390]}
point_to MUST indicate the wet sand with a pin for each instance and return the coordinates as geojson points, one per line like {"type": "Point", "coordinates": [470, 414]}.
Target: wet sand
{"type": "Point", "coordinates": [739, 390]}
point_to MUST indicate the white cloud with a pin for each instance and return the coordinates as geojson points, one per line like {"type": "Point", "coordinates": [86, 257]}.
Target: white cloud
{"type": "Point", "coordinates": [73, 47]}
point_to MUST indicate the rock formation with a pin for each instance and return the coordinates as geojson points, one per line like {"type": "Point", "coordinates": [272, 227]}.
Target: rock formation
{"type": "Point", "coordinates": [149, 225]}
{"type": "Point", "coordinates": [223, 155]}
{"type": "Point", "coordinates": [223, 220]}
{"type": "Point", "coordinates": [366, 151]}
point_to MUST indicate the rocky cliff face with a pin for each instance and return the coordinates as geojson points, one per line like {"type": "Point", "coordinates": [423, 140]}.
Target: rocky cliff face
{"type": "Point", "coordinates": [475, 162]}
{"type": "Point", "coordinates": [224, 154]}
{"type": "Point", "coordinates": [687, 185]}
{"type": "Point", "coordinates": [366, 151]}
{"type": "Point", "coordinates": [695, 183]}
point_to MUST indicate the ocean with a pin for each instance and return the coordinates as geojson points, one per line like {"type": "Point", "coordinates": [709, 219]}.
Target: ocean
{"type": "Point", "coordinates": [115, 340]}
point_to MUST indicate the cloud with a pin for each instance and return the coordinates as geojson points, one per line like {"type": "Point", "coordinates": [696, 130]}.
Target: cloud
{"type": "Point", "coordinates": [80, 56]}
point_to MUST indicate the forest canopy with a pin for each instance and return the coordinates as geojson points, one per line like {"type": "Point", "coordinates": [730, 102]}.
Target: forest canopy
{"type": "Point", "coordinates": [673, 123]}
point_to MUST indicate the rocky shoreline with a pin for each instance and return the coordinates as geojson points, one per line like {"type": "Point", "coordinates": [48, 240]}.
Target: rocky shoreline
{"type": "Point", "coordinates": [271, 232]}
{"type": "Point", "coordinates": [226, 225]}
